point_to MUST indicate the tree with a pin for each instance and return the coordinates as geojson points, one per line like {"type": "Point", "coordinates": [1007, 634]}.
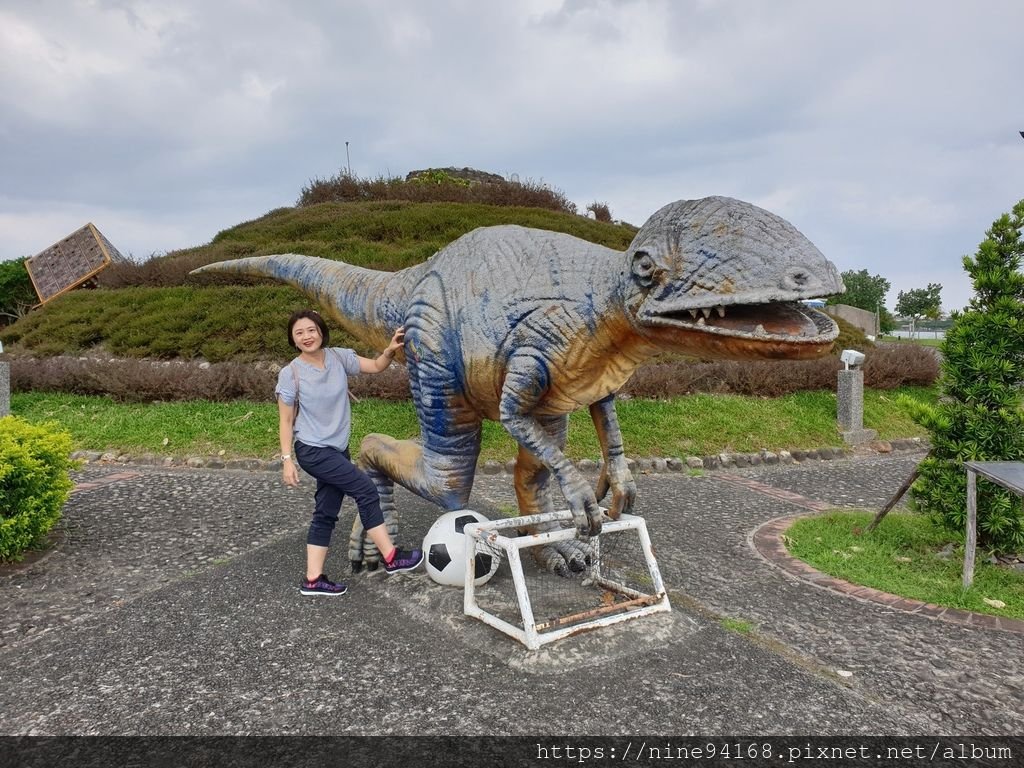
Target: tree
{"type": "Point", "coordinates": [980, 415]}
{"type": "Point", "coordinates": [866, 292]}
{"type": "Point", "coordinates": [862, 290]}
{"type": "Point", "coordinates": [601, 211]}
{"type": "Point", "coordinates": [920, 302]}
{"type": "Point", "coordinates": [17, 296]}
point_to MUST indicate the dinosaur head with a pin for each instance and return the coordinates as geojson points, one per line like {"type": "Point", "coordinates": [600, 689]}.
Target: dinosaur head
{"type": "Point", "coordinates": [720, 278]}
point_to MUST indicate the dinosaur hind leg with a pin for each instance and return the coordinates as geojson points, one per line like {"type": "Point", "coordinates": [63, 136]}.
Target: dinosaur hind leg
{"type": "Point", "coordinates": [439, 466]}
{"type": "Point", "coordinates": [444, 480]}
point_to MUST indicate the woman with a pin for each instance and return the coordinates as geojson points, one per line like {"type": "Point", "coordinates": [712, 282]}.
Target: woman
{"type": "Point", "coordinates": [317, 380]}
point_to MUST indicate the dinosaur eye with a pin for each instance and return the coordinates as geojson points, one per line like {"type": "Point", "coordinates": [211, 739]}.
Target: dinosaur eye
{"type": "Point", "coordinates": [644, 267]}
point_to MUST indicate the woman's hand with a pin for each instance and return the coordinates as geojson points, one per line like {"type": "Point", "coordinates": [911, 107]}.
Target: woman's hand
{"type": "Point", "coordinates": [385, 358]}
{"type": "Point", "coordinates": [397, 342]}
{"type": "Point", "coordinates": [290, 473]}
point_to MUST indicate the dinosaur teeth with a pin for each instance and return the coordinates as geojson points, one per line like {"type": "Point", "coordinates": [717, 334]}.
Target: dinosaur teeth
{"type": "Point", "coordinates": [693, 313]}
{"type": "Point", "coordinates": [706, 312]}
{"type": "Point", "coordinates": [720, 310]}
{"type": "Point", "coordinates": [700, 321]}
{"type": "Point", "coordinates": [760, 331]}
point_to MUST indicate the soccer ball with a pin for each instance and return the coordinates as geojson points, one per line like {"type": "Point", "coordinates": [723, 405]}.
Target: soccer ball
{"type": "Point", "coordinates": [445, 548]}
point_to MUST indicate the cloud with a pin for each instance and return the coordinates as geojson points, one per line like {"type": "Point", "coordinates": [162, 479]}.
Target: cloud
{"type": "Point", "coordinates": [886, 132]}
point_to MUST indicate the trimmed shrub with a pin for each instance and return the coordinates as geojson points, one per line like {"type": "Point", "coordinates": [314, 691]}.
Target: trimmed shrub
{"type": "Point", "coordinates": [34, 482]}
{"type": "Point", "coordinates": [980, 415]}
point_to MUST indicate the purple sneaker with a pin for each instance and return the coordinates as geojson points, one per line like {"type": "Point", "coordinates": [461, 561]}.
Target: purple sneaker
{"type": "Point", "coordinates": [322, 586]}
{"type": "Point", "coordinates": [404, 560]}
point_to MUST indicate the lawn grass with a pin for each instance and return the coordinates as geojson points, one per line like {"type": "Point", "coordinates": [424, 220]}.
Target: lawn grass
{"type": "Point", "coordinates": [921, 341]}
{"type": "Point", "coordinates": [696, 425]}
{"type": "Point", "coordinates": [902, 556]}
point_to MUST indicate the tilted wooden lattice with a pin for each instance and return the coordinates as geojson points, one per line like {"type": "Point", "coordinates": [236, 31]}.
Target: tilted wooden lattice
{"type": "Point", "coordinates": [70, 262]}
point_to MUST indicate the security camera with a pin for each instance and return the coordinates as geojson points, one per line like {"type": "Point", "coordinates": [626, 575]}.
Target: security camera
{"type": "Point", "coordinates": [852, 358]}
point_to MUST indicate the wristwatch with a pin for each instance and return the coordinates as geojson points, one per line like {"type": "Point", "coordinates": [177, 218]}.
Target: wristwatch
{"type": "Point", "coordinates": [286, 457]}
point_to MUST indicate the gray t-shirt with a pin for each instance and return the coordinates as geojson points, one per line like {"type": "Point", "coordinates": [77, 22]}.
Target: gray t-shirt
{"type": "Point", "coordinates": [325, 419]}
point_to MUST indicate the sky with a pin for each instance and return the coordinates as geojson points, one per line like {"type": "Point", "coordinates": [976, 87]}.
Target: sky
{"type": "Point", "coordinates": [888, 133]}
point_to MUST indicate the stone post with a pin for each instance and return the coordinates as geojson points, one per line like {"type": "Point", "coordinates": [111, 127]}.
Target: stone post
{"type": "Point", "coordinates": [5, 388]}
{"type": "Point", "coordinates": [850, 402]}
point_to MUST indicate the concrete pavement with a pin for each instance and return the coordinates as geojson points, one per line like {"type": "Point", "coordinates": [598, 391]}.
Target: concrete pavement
{"type": "Point", "coordinates": [169, 606]}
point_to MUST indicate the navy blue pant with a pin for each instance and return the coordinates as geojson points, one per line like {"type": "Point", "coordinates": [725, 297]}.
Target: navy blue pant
{"type": "Point", "coordinates": [336, 476]}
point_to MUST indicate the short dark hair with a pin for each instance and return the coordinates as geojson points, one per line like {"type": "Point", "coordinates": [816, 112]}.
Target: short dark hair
{"type": "Point", "coordinates": [308, 314]}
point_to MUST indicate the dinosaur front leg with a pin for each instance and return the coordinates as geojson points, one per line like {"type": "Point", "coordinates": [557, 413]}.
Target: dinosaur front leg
{"type": "Point", "coordinates": [615, 474]}
{"type": "Point", "coordinates": [533, 491]}
{"type": "Point", "coordinates": [525, 384]}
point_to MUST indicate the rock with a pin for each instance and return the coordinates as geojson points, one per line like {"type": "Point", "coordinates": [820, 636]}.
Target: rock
{"type": "Point", "coordinates": [675, 464]}
{"type": "Point", "coordinates": [245, 464]}
{"type": "Point", "coordinates": [785, 457]}
{"type": "Point", "coordinates": [726, 460]}
{"type": "Point", "coordinates": [492, 467]}
{"type": "Point", "coordinates": [586, 465]}
{"type": "Point", "coordinates": [694, 462]}
{"type": "Point", "coordinates": [769, 457]}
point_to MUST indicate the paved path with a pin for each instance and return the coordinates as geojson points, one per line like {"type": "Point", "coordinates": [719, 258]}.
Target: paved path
{"type": "Point", "coordinates": [169, 607]}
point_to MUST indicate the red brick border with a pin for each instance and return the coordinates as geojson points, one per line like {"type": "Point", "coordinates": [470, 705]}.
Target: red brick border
{"type": "Point", "coordinates": [116, 477]}
{"type": "Point", "coordinates": [767, 541]}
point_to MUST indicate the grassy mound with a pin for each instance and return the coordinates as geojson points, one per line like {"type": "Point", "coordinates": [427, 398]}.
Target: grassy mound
{"type": "Point", "coordinates": [158, 310]}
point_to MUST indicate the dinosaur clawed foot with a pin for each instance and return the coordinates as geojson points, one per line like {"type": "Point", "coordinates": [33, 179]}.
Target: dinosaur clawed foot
{"type": "Point", "coordinates": [362, 552]}
{"type": "Point", "coordinates": [565, 558]}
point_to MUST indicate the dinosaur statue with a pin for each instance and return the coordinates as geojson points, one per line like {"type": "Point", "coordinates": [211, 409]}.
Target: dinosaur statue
{"type": "Point", "coordinates": [524, 326]}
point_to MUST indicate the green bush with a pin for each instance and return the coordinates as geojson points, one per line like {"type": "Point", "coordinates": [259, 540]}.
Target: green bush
{"type": "Point", "coordinates": [34, 482]}
{"type": "Point", "coordinates": [980, 414]}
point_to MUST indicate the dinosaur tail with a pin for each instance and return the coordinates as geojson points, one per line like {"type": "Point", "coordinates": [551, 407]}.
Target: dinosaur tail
{"type": "Point", "coordinates": [367, 303]}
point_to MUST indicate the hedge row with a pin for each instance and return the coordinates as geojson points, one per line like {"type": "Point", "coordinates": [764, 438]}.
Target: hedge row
{"type": "Point", "coordinates": [886, 367]}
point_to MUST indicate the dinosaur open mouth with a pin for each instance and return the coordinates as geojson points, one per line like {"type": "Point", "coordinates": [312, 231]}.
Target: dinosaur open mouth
{"type": "Point", "coordinates": [783, 321]}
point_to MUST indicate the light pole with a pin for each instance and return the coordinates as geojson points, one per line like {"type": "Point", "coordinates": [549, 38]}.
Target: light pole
{"type": "Point", "coordinates": [348, 160]}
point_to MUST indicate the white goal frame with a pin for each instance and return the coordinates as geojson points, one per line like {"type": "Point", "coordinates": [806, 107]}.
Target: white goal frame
{"type": "Point", "coordinates": [533, 634]}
